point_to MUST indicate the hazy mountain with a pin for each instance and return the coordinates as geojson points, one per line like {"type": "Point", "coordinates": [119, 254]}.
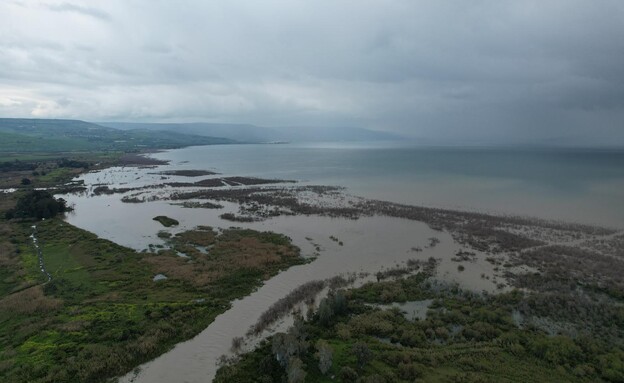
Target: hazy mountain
{"type": "Point", "coordinates": [253, 133]}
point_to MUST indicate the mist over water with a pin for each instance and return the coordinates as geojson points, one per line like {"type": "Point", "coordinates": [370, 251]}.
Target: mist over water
{"type": "Point", "coordinates": [577, 185]}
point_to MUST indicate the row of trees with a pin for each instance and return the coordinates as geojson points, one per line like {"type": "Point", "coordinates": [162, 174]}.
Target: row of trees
{"type": "Point", "coordinates": [37, 204]}
{"type": "Point", "coordinates": [16, 165]}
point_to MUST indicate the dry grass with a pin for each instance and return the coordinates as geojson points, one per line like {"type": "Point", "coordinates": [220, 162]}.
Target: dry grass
{"type": "Point", "coordinates": [7, 254]}
{"type": "Point", "coordinates": [180, 268]}
{"type": "Point", "coordinates": [232, 251]}
{"type": "Point", "coordinates": [202, 236]}
{"type": "Point", "coordinates": [29, 301]}
{"type": "Point", "coordinates": [251, 252]}
{"type": "Point", "coordinates": [73, 326]}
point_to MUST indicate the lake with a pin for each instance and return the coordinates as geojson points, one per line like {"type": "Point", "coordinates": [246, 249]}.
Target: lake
{"type": "Point", "coordinates": [566, 184]}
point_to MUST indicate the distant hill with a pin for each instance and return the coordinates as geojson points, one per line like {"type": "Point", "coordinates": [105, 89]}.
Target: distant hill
{"type": "Point", "coordinates": [52, 135]}
{"type": "Point", "coordinates": [253, 133]}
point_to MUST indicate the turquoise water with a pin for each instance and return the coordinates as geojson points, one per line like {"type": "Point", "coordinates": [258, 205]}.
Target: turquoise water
{"type": "Point", "coordinates": [568, 184]}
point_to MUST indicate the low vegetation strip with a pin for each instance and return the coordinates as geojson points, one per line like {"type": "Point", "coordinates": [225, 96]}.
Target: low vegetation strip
{"type": "Point", "coordinates": [187, 173]}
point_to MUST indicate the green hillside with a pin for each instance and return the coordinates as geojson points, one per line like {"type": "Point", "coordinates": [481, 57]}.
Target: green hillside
{"type": "Point", "coordinates": [36, 135]}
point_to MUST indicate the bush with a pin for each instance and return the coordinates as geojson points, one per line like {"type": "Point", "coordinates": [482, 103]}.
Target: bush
{"type": "Point", "coordinates": [347, 374]}
{"type": "Point", "coordinates": [362, 353]}
{"type": "Point", "coordinates": [410, 371]}
{"type": "Point", "coordinates": [372, 379]}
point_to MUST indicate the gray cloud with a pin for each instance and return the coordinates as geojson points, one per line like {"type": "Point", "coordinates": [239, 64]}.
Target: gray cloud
{"type": "Point", "coordinates": [486, 70]}
{"type": "Point", "coordinates": [82, 10]}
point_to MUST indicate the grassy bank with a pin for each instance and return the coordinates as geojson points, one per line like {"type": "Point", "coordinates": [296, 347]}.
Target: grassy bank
{"type": "Point", "coordinates": [102, 314]}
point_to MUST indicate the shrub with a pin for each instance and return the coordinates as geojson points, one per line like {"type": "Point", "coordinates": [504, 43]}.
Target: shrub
{"type": "Point", "coordinates": [410, 371]}
{"type": "Point", "coordinates": [362, 354]}
{"type": "Point", "coordinates": [347, 374]}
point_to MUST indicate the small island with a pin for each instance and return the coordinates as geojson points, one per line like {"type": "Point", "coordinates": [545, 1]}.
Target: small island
{"type": "Point", "coordinates": [166, 221]}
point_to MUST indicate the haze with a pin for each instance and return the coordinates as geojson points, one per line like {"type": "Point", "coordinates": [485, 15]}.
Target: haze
{"type": "Point", "coordinates": [528, 72]}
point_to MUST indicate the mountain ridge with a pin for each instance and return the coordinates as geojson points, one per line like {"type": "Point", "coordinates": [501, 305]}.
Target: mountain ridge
{"type": "Point", "coordinates": [256, 134]}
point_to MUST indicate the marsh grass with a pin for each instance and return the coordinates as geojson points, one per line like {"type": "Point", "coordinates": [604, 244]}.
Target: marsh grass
{"type": "Point", "coordinates": [237, 257]}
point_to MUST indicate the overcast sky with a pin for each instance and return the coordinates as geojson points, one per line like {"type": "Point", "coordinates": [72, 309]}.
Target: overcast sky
{"type": "Point", "coordinates": [501, 70]}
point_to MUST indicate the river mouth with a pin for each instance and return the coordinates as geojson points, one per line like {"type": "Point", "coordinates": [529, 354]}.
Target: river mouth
{"type": "Point", "coordinates": [341, 234]}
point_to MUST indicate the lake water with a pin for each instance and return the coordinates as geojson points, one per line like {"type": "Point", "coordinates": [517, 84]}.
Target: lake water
{"type": "Point", "coordinates": [584, 186]}
{"type": "Point", "coordinates": [567, 184]}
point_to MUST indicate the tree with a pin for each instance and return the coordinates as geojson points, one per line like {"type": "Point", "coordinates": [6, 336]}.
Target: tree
{"type": "Point", "coordinates": [324, 353]}
{"type": "Point", "coordinates": [298, 329]}
{"type": "Point", "coordinates": [285, 347]}
{"type": "Point", "coordinates": [325, 312]}
{"type": "Point", "coordinates": [26, 181]}
{"type": "Point", "coordinates": [37, 204]}
{"type": "Point", "coordinates": [296, 373]}
{"type": "Point", "coordinates": [339, 303]}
